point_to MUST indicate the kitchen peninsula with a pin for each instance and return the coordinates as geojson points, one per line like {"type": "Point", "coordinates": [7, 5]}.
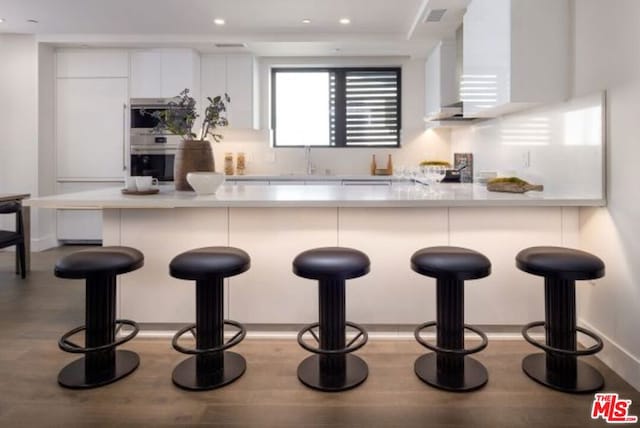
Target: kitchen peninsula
{"type": "Point", "coordinates": [273, 223]}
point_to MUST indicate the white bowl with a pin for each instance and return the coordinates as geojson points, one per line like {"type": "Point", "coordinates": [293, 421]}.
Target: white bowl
{"type": "Point", "coordinates": [205, 183]}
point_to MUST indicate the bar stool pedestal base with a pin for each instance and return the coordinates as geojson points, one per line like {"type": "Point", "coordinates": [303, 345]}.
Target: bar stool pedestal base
{"type": "Point", "coordinates": [356, 372]}
{"type": "Point", "coordinates": [186, 376]}
{"type": "Point", "coordinates": [475, 374]}
{"type": "Point", "coordinates": [586, 379]}
{"type": "Point", "coordinates": [74, 375]}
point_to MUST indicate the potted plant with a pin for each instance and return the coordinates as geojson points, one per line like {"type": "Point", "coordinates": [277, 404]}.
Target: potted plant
{"type": "Point", "coordinates": [194, 151]}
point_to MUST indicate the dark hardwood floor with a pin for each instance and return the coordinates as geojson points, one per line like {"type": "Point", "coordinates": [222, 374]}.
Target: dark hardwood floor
{"type": "Point", "coordinates": [35, 312]}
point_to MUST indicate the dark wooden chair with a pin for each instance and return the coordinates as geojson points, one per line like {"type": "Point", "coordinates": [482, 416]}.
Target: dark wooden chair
{"type": "Point", "coordinates": [10, 238]}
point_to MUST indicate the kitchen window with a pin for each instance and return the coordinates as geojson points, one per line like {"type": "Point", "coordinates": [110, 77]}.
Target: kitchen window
{"type": "Point", "coordinates": [336, 107]}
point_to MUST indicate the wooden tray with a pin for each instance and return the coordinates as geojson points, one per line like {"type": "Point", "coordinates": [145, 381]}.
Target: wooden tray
{"type": "Point", "coordinates": [513, 187]}
{"type": "Point", "coordinates": [140, 192]}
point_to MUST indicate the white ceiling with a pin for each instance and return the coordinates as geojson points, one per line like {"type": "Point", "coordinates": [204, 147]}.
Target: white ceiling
{"type": "Point", "coordinates": [268, 27]}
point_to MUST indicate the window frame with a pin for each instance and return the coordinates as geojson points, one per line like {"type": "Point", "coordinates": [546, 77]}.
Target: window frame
{"type": "Point", "coordinates": [340, 143]}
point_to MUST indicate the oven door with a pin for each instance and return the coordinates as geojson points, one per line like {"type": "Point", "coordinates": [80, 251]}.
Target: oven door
{"type": "Point", "coordinates": [155, 164]}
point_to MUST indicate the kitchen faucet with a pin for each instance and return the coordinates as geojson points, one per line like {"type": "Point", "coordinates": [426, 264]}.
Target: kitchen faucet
{"type": "Point", "coordinates": [307, 159]}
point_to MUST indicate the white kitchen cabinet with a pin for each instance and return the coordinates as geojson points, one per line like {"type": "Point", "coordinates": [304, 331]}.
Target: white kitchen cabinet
{"type": "Point", "coordinates": [91, 130]}
{"type": "Point", "coordinates": [80, 225]}
{"type": "Point", "coordinates": [73, 63]}
{"type": "Point", "coordinates": [516, 54]}
{"type": "Point", "coordinates": [164, 73]}
{"type": "Point", "coordinates": [237, 76]}
{"type": "Point", "coordinates": [146, 74]}
{"type": "Point", "coordinates": [441, 87]}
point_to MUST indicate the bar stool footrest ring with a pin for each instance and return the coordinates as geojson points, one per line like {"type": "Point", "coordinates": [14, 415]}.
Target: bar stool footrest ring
{"type": "Point", "coordinates": [439, 350]}
{"type": "Point", "coordinates": [67, 346]}
{"type": "Point", "coordinates": [352, 346]}
{"type": "Point", "coordinates": [237, 338]}
{"type": "Point", "coordinates": [550, 349]}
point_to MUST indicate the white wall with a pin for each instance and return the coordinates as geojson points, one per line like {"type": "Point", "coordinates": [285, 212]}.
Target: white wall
{"type": "Point", "coordinates": [18, 118]}
{"type": "Point", "coordinates": [607, 57]}
{"type": "Point", "coordinates": [560, 146]}
{"type": "Point", "coordinates": [417, 144]}
{"type": "Point", "coordinates": [44, 230]}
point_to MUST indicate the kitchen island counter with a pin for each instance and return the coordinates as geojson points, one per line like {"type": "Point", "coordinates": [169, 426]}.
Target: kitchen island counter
{"type": "Point", "coordinates": [274, 223]}
{"type": "Point", "coordinates": [398, 195]}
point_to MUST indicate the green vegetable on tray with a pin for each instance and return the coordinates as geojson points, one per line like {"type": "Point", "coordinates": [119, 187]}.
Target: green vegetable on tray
{"type": "Point", "coordinates": [514, 180]}
{"type": "Point", "coordinates": [434, 163]}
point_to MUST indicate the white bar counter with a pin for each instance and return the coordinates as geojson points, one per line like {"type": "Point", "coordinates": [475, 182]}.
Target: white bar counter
{"type": "Point", "coordinates": [274, 223]}
{"type": "Point", "coordinates": [318, 195]}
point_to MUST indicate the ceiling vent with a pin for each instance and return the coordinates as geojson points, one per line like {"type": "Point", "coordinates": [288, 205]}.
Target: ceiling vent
{"type": "Point", "coordinates": [230, 45]}
{"type": "Point", "coordinates": [434, 15]}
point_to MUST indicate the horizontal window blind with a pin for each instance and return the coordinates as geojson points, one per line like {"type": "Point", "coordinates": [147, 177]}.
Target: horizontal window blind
{"type": "Point", "coordinates": [372, 108]}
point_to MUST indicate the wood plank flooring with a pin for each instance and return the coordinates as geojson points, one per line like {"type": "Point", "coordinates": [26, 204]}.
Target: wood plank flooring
{"type": "Point", "coordinates": [35, 312]}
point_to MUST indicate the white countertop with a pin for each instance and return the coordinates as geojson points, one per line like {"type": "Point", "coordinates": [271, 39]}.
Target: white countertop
{"type": "Point", "coordinates": [321, 195]}
{"type": "Point", "coordinates": [309, 177]}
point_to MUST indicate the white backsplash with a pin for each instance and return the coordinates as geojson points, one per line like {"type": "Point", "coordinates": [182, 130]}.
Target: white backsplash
{"type": "Point", "coordinates": [560, 146]}
{"type": "Point", "coordinates": [261, 158]}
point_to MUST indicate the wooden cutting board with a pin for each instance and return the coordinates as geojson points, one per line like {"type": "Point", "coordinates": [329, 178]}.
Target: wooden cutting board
{"type": "Point", "coordinates": [514, 187]}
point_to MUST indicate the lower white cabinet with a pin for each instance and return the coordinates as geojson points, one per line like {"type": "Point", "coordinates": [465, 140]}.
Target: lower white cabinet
{"type": "Point", "coordinates": [80, 225]}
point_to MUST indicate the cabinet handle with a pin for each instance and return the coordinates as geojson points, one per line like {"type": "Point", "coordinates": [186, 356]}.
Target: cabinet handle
{"type": "Point", "coordinates": [124, 138]}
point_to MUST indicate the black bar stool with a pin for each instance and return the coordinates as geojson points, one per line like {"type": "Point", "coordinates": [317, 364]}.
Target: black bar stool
{"type": "Point", "coordinates": [102, 364]}
{"type": "Point", "coordinates": [558, 367]}
{"type": "Point", "coordinates": [210, 366]}
{"type": "Point", "coordinates": [449, 367]}
{"type": "Point", "coordinates": [333, 368]}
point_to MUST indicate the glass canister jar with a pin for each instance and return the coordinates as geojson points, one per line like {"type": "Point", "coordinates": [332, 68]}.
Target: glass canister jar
{"type": "Point", "coordinates": [240, 163]}
{"type": "Point", "coordinates": [228, 163]}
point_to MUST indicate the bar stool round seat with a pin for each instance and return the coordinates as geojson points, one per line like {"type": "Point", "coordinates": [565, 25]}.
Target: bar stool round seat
{"type": "Point", "coordinates": [211, 365]}
{"type": "Point", "coordinates": [558, 367]}
{"type": "Point", "coordinates": [102, 364]}
{"type": "Point", "coordinates": [450, 367]}
{"type": "Point", "coordinates": [333, 368]}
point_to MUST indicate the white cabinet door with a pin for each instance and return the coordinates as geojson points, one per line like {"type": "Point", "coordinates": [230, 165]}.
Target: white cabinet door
{"type": "Point", "coordinates": [92, 63]}
{"type": "Point", "coordinates": [235, 75]}
{"type": "Point", "coordinates": [180, 70]}
{"type": "Point", "coordinates": [240, 89]}
{"type": "Point", "coordinates": [80, 225]}
{"type": "Point", "coordinates": [164, 73]}
{"type": "Point", "coordinates": [146, 74]}
{"type": "Point", "coordinates": [90, 127]}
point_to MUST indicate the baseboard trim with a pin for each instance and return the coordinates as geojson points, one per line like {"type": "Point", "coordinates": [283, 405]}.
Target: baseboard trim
{"type": "Point", "coordinates": [617, 358]}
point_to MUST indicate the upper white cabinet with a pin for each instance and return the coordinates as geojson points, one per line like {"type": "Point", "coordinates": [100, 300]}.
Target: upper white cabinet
{"type": "Point", "coordinates": [516, 54]}
{"type": "Point", "coordinates": [441, 83]}
{"type": "Point", "coordinates": [164, 73]}
{"type": "Point", "coordinates": [237, 76]}
{"type": "Point", "coordinates": [81, 63]}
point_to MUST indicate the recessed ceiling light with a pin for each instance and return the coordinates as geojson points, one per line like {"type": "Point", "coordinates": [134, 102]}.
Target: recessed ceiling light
{"type": "Point", "coordinates": [32, 21]}
{"type": "Point", "coordinates": [345, 21]}
{"type": "Point", "coordinates": [219, 21]}
{"type": "Point", "coordinates": [1, 20]}
{"type": "Point", "coordinates": [306, 21]}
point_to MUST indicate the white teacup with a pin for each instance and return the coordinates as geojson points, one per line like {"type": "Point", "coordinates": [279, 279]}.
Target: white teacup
{"type": "Point", "coordinates": [146, 183]}
{"type": "Point", "coordinates": [130, 183]}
